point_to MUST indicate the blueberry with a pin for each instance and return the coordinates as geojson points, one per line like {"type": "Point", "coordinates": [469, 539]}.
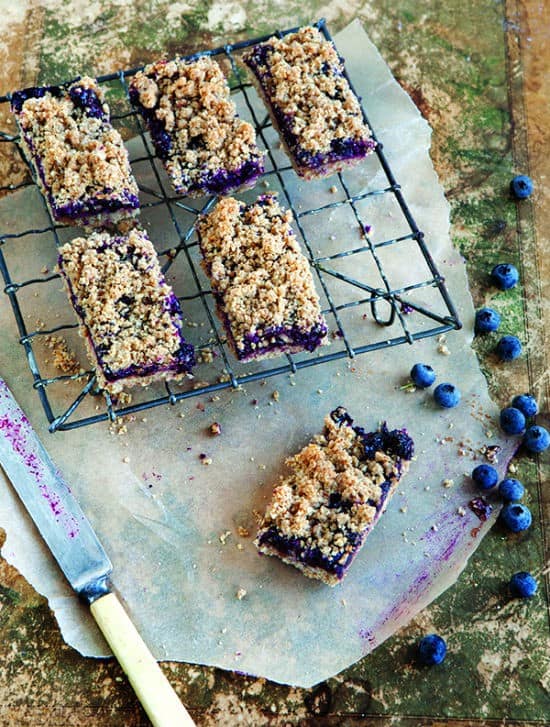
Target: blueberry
{"type": "Point", "coordinates": [511, 489]}
{"type": "Point", "coordinates": [521, 186]}
{"type": "Point", "coordinates": [487, 320]}
{"type": "Point", "coordinates": [526, 404]}
{"type": "Point", "coordinates": [536, 439]}
{"type": "Point", "coordinates": [447, 395]}
{"type": "Point", "coordinates": [432, 649]}
{"type": "Point", "coordinates": [505, 276]}
{"type": "Point", "coordinates": [512, 420]}
{"type": "Point", "coordinates": [516, 517]}
{"type": "Point", "coordinates": [508, 348]}
{"type": "Point", "coordinates": [485, 476]}
{"type": "Point", "coordinates": [523, 584]}
{"type": "Point", "coordinates": [422, 375]}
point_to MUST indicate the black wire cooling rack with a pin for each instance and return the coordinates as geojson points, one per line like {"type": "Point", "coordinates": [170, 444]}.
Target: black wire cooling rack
{"type": "Point", "coordinates": [401, 307]}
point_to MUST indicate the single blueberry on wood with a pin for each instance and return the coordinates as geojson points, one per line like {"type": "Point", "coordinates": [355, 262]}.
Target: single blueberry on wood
{"type": "Point", "coordinates": [505, 276]}
{"type": "Point", "coordinates": [512, 420]}
{"type": "Point", "coordinates": [526, 404]}
{"type": "Point", "coordinates": [511, 489]}
{"type": "Point", "coordinates": [516, 517]}
{"type": "Point", "coordinates": [521, 186]}
{"type": "Point", "coordinates": [432, 649]}
{"type": "Point", "coordinates": [508, 348]}
{"type": "Point", "coordinates": [523, 585]}
{"type": "Point", "coordinates": [536, 439]}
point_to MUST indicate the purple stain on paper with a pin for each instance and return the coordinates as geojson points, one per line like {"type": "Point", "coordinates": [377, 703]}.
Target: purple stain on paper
{"type": "Point", "coordinates": [16, 429]}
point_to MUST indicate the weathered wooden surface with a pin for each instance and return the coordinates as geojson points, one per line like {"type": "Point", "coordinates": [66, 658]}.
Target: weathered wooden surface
{"type": "Point", "coordinates": [477, 72]}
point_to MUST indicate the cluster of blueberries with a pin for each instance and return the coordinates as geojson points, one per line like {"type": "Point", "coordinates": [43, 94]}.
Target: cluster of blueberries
{"type": "Point", "coordinates": [513, 420]}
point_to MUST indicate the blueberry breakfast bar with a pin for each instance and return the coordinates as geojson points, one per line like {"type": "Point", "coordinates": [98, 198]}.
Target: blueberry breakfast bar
{"type": "Point", "coordinates": [205, 147]}
{"type": "Point", "coordinates": [318, 116]}
{"type": "Point", "coordinates": [260, 279]}
{"type": "Point", "coordinates": [78, 158]}
{"type": "Point", "coordinates": [338, 487]}
{"type": "Point", "coordinates": [129, 316]}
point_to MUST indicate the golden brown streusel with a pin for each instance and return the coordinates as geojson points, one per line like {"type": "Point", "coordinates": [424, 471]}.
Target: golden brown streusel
{"type": "Point", "coordinates": [259, 275]}
{"type": "Point", "coordinates": [122, 300]}
{"type": "Point", "coordinates": [80, 156]}
{"type": "Point", "coordinates": [192, 101]}
{"type": "Point", "coordinates": [301, 77]}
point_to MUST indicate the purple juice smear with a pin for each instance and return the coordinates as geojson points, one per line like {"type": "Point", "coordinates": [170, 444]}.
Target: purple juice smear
{"type": "Point", "coordinates": [16, 431]}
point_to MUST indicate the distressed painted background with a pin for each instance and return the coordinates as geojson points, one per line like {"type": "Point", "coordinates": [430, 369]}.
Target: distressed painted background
{"type": "Point", "coordinates": [477, 72]}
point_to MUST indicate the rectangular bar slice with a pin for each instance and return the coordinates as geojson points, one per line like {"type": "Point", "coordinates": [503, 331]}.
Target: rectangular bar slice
{"type": "Point", "coordinates": [260, 279]}
{"type": "Point", "coordinates": [78, 158]}
{"type": "Point", "coordinates": [338, 487]}
{"type": "Point", "coordinates": [205, 147]}
{"type": "Point", "coordinates": [129, 316]}
{"type": "Point", "coordinates": [300, 78]}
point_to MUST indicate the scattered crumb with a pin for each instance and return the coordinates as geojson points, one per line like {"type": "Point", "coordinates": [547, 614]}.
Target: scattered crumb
{"type": "Point", "coordinates": [241, 593]}
{"type": "Point", "coordinates": [333, 189]}
{"type": "Point", "coordinates": [275, 395]}
{"type": "Point", "coordinates": [123, 398]}
{"type": "Point", "coordinates": [461, 511]}
{"type": "Point", "coordinates": [443, 349]}
{"type": "Point", "coordinates": [512, 468]}
{"type": "Point", "coordinates": [44, 270]}
{"type": "Point", "coordinates": [403, 509]}
{"type": "Point", "coordinates": [243, 532]}
{"type": "Point", "coordinates": [240, 546]}
{"type": "Point", "coordinates": [126, 460]}
{"type": "Point", "coordinates": [435, 528]}
{"type": "Point", "coordinates": [206, 355]}
{"type": "Point", "coordinates": [63, 358]}
{"type": "Point", "coordinates": [224, 536]}
{"type": "Point", "coordinates": [205, 460]}
{"type": "Point", "coordinates": [448, 483]}
{"type": "Point", "coordinates": [215, 429]}
{"type": "Point", "coordinates": [181, 415]}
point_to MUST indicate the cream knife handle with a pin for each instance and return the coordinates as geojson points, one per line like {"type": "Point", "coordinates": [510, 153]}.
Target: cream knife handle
{"type": "Point", "coordinates": [153, 690]}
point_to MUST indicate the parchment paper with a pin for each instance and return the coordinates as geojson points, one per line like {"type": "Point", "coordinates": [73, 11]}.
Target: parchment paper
{"type": "Point", "coordinates": [171, 524]}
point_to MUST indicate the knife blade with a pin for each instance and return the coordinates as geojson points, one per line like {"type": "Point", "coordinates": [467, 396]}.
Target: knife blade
{"type": "Point", "coordinates": [78, 552]}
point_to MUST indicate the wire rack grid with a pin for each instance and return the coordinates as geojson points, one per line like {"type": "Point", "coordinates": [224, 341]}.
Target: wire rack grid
{"type": "Point", "coordinates": [398, 304]}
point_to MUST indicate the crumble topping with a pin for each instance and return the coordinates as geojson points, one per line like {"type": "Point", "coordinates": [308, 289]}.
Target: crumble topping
{"type": "Point", "coordinates": [301, 76]}
{"type": "Point", "coordinates": [256, 267]}
{"type": "Point", "coordinates": [190, 101]}
{"type": "Point", "coordinates": [78, 152]}
{"type": "Point", "coordinates": [117, 288]}
{"type": "Point", "coordinates": [332, 490]}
